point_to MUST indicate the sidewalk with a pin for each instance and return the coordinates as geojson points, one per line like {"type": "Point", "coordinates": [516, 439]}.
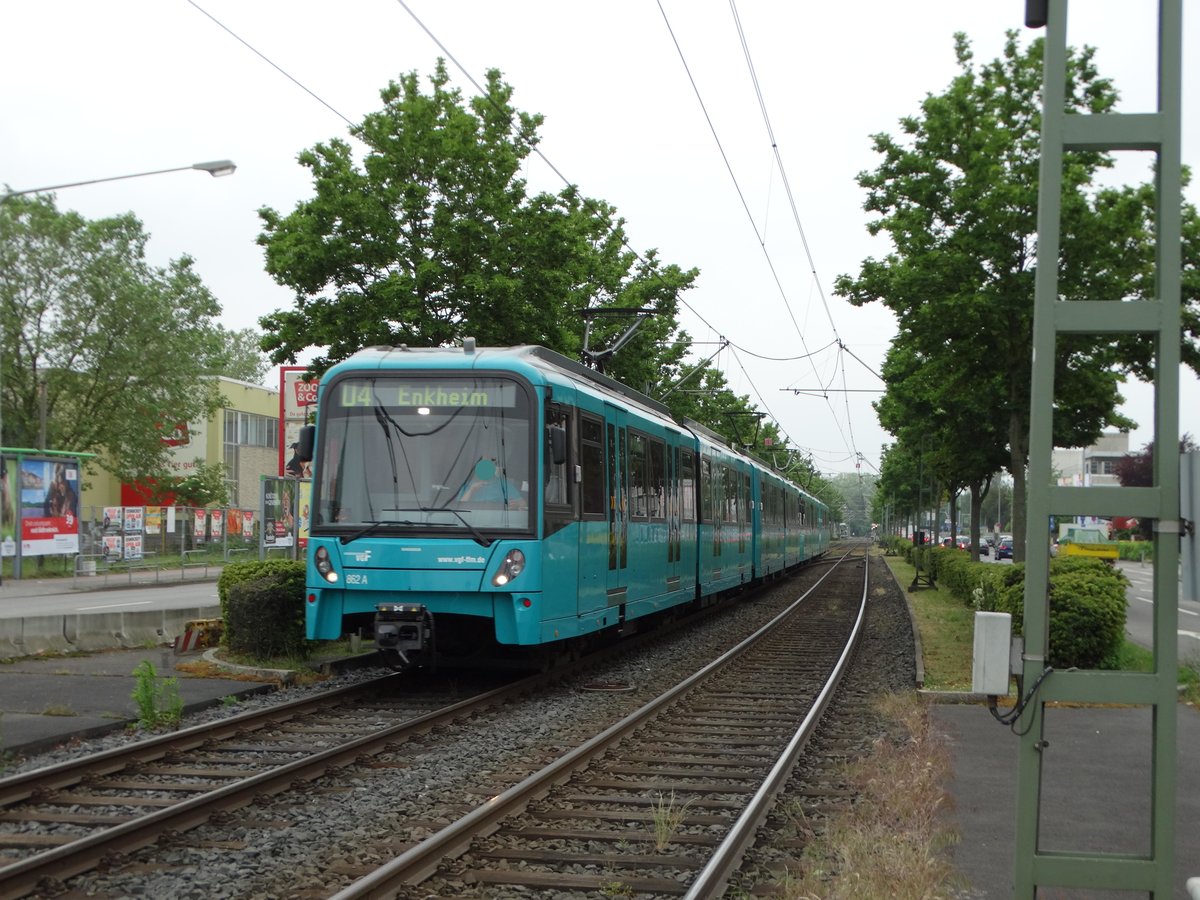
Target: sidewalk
{"type": "Point", "coordinates": [49, 701]}
{"type": "Point", "coordinates": [50, 697]}
{"type": "Point", "coordinates": [1095, 790]}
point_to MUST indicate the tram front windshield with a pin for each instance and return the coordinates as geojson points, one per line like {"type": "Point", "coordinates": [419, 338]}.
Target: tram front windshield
{"type": "Point", "coordinates": [432, 453]}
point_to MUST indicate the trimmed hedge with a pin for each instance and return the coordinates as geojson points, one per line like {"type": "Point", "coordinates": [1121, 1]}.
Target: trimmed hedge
{"type": "Point", "coordinates": [289, 574]}
{"type": "Point", "coordinates": [265, 618]}
{"type": "Point", "coordinates": [1087, 607]}
{"type": "Point", "coordinates": [1140, 551]}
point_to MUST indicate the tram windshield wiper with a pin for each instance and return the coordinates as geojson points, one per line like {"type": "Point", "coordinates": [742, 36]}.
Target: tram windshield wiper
{"type": "Point", "coordinates": [479, 538]}
{"type": "Point", "coordinates": [373, 526]}
{"type": "Point", "coordinates": [478, 535]}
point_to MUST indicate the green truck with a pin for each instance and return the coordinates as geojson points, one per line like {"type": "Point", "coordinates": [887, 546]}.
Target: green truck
{"type": "Point", "coordinates": [1089, 542]}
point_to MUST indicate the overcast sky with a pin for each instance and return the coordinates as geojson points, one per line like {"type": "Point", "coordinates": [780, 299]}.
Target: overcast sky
{"type": "Point", "coordinates": [93, 90]}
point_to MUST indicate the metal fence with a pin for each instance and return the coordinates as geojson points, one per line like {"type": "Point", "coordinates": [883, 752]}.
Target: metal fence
{"type": "Point", "coordinates": [148, 541]}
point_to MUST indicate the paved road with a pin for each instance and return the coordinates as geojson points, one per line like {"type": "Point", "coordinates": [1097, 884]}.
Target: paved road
{"type": "Point", "coordinates": [20, 599]}
{"type": "Point", "coordinates": [1139, 623]}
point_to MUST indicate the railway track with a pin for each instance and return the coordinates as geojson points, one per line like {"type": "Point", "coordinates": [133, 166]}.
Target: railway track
{"type": "Point", "coordinates": [62, 820]}
{"type": "Point", "coordinates": [667, 800]}
{"type": "Point", "coordinates": [72, 818]}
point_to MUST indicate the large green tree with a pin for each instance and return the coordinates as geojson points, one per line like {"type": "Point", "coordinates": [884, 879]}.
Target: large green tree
{"type": "Point", "coordinates": [944, 408]}
{"type": "Point", "coordinates": [99, 350]}
{"type": "Point", "coordinates": [433, 237]}
{"type": "Point", "coordinates": [957, 195]}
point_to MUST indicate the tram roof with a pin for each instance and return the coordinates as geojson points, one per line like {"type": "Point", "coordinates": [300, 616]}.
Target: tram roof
{"type": "Point", "coordinates": [538, 357]}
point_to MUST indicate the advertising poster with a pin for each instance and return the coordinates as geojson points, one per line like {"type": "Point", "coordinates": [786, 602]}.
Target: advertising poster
{"type": "Point", "coordinates": [133, 546]}
{"type": "Point", "coordinates": [8, 507]}
{"type": "Point", "coordinates": [114, 518]}
{"type": "Point", "coordinates": [153, 520]}
{"type": "Point", "coordinates": [234, 522]}
{"type": "Point", "coordinates": [279, 524]}
{"type": "Point", "coordinates": [297, 402]}
{"type": "Point", "coordinates": [135, 517]}
{"type": "Point", "coordinates": [247, 523]}
{"type": "Point", "coordinates": [49, 506]}
{"type": "Point", "coordinates": [198, 528]}
{"type": "Point", "coordinates": [217, 523]}
{"type": "Point", "coordinates": [112, 546]}
{"type": "Point", "coordinates": [302, 520]}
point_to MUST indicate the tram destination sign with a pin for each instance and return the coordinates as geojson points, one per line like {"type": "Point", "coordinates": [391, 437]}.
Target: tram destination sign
{"type": "Point", "coordinates": [431, 393]}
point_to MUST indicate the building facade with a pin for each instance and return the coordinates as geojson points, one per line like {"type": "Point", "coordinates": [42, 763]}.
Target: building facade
{"type": "Point", "coordinates": [243, 435]}
{"type": "Point", "coordinates": [1092, 466]}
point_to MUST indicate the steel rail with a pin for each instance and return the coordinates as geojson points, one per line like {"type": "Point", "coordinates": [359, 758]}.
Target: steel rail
{"type": "Point", "coordinates": [419, 862]}
{"type": "Point", "coordinates": [22, 786]}
{"type": "Point", "coordinates": [728, 856]}
{"type": "Point", "coordinates": [21, 878]}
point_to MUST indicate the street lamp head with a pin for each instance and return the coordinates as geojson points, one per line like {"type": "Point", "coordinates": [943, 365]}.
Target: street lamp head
{"type": "Point", "coordinates": [218, 168]}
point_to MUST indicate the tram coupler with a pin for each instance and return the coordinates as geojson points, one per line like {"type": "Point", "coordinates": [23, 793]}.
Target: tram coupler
{"type": "Point", "coordinates": [401, 628]}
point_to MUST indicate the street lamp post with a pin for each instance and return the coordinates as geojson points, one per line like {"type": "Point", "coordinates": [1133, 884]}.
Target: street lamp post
{"type": "Point", "coordinates": [216, 169]}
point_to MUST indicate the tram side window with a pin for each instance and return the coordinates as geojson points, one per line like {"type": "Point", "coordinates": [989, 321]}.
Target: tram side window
{"type": "Point", "coordinates": [656, 493]}
{"type": "Point", "coordinates": [639, 475]}
{"type": "Point", "coordinates": [687, 485]}
{"type": "Point", "coordinates": [706, 489]}
{"type": "Point", "coordinates": [557, 482]}
{"type": "Point", "coordinates": [591, 460]}
{"type": "Point", "coordinates": [729, 482]}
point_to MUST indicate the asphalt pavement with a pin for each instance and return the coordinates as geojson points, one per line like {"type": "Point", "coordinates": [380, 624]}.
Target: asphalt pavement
{"type": "Point", "coordinates": [58, 695]}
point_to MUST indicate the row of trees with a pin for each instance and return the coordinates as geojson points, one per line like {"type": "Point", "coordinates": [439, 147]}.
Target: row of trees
{"type": "Point", "coordinates": [957, 195]}
{"type": "Point", "coordinates": [431, 236]}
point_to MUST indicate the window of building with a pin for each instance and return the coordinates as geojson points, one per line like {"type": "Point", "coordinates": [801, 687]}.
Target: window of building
{"type": "Point", "coordinates": [243, 429]}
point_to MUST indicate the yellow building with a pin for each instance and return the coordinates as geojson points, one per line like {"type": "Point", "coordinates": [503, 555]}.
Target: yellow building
{"type": "Point", "coordinates": [244, 435]}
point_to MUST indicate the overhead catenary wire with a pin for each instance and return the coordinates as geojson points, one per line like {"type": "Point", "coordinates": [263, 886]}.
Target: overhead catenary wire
{"type": "Point", "coordinates": [553, 168]}
{"type": "Point", "coordinates": [795, 213]}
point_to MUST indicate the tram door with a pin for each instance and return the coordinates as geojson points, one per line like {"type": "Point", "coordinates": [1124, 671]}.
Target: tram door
{"type": "Point", "coordinates": [616, 455]}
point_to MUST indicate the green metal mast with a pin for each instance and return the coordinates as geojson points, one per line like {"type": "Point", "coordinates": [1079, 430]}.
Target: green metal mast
{"type": "Point", "coordinates": [1157, 320]}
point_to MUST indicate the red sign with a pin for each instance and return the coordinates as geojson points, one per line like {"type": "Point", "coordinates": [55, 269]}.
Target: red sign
{"type": "Point", "coordinates": [306, 392]}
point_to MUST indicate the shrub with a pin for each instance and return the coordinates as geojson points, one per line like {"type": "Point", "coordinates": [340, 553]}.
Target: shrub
{"type": "Point", "coordinates": [1141, 551]}
{"type": "Point", "coordinates": [1087, 609]}
{"type": "Point", "coordinates": [251, 570]}
{"type": "Point", "coordinates": [265, 617]}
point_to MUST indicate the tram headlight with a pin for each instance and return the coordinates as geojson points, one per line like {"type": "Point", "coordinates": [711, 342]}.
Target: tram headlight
{"type": "Point", "coordinates": [325, 565]}
{"type": "Point", "coordinates": [513, 565]}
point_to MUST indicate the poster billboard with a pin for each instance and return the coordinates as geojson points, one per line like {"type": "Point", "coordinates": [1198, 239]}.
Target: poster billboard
{"type": "Point", "coordinates": [297, 402]}
{"type": "Point", "coordinates": [278, 512]}
{"type": "Point", "coordinates": [49, 505]}
{"type": "Point", "coordinates": [303, 518]}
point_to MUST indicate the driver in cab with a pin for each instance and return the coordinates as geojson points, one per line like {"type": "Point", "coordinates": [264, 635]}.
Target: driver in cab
{"type": "Point", "coordinates": [488, 485]}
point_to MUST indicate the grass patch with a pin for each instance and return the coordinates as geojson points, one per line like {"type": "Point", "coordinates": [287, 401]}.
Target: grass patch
{"type": "Point", "coordinates": [947, 630]}
{"type": "Point", "coordinates": [892, 842]}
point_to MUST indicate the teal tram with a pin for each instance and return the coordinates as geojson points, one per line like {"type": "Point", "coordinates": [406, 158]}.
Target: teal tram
{"type": "Point", "coordinates": [482, 503]}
